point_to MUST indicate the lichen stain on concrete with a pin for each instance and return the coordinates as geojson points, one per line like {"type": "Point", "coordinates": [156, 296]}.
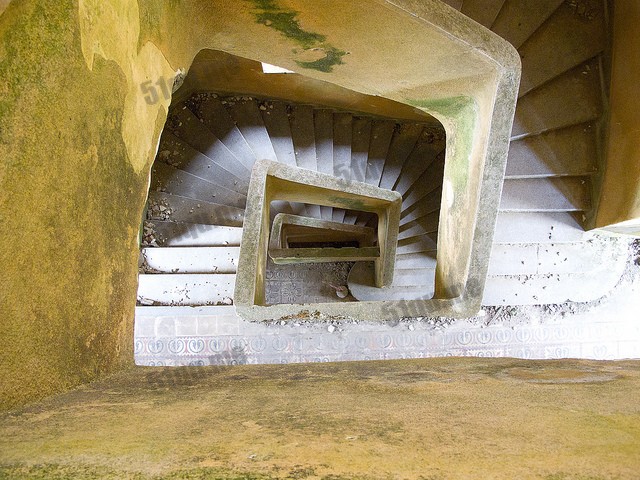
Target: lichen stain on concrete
{"type": "Point", "coordinates": [460, 114]}
{"type": "Point", "coordinates": [287, 23]}
{"type": "Point", "coordinates": [111, 30]}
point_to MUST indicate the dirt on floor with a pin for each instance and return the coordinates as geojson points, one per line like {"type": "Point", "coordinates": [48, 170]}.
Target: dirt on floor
{"type": "Point", "coordinates": [448, 418]}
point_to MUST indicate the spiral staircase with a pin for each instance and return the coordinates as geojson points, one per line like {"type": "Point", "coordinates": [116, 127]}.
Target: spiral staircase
{"type": "Point", "coordinates": [541, 253]}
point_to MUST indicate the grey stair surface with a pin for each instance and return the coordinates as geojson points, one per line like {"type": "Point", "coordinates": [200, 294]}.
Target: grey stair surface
{"type": "Point", "coordinates": [541, 252]}
{"type": "Point", "coordinates": [186, 289]}
{"type": "Point", "coordinates": [569, 99]}
{"type": "Point", "coordinates": [167, 178]}
{"type": "Point", "coordinates": [519, 19]}
{"type": "Point", "coordinates": [183, 209]}
{"type": "Point", "coordinates": [559, 194]}
{"type": "Point", "coordinates": [564, 152]}
{"type": "Point", "coordinates": [213, 114]}
{"type": "Point", "coordinates": [587, 39]}
{"type": "Point", "coordinates": [191, 259]}
{"type": "Point", "coordinates": [482, 11]}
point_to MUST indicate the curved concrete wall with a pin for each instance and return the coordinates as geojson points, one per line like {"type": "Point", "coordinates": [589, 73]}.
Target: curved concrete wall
{"type": "Point", "coordinates": [80, 122]}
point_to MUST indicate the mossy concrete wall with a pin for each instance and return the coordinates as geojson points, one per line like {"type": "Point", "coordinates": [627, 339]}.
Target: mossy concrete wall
{"type": "Point", "coordinates": [620, 198]}
{"type": "Point", "coordinates": [430, 419]}
{"type": "Point", "coordinates": [77, 139]}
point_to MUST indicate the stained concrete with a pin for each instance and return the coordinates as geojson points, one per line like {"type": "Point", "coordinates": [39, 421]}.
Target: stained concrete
{"type": "Point", "coordinates": [455, 418]}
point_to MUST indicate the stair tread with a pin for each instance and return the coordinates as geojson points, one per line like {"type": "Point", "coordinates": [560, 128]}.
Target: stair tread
{"type": "Point", "coordinates": [426, 183]}
{"type": "Point", "coordinates": [539, 227]}
{"type": "Point", "coordinates": [381, 134]}
{"type": "Point", "coordinates": [361, 136]}
{"type": "Point", "coordinates": [567, 151]}
{"type": "Point", "coordinates": [183, 209]}
{"type": "Point", "coordinates": [185, 125]}
{"type": "Point", "coordinates": [402, 144]}
{"type": "Point", "coordinates": [569, 99]}
{"type": "Point", "coordinates": [457, 4]}
{"type": "Point", "coordinates": [361, 284]}
{"type": "Point", "coordinates": [323, 128]}
{"type": "Point", "coordinates": [186, 289]}
{"type": "Point", "coordinates": [568, 38]}
{"type": "Point", "coordinates": [426, 224]}
{"type": "Point", "coordinates": [424, 243]}
{"type": "Point", "coordinates": [428, 204]}
{"type": "Point", "coordinates": [183, 234]}
{"type": "Point", "coordinates": [482, 11]}
{"type": "Point", "coordinates": [518, 19]}
{"type": "Point", "coordinates": [218, 260]}
{"type": "Point", "coordinates": [549, 258]}
{"type": "Point", "coordinates": [214, 115]}
{"type": "Point", "coordinates": [430, 145]}
{"type": "Point", "coordinates": [342, 139]}
{"type": "Point", "coordinates": [546, 194]}
{"type": "Point", "coordinates": [412, 260]}
{"type": "Point", "coordinates": [302, 135]}
{"type": "Point", "coordinates": [172, 180]}
{"type": "Point", "coordinates": [552, 288]}
{"type": "Point", "coordinates": [246, 114]}
{"type": "Point", "coordinates": [276, 121]}
{"type": "Point", "coordinates": [179, 154]}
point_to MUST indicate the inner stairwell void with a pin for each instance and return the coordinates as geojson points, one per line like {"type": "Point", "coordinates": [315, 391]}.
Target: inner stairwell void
{"type": "Point", "coordinates": [540, 253]}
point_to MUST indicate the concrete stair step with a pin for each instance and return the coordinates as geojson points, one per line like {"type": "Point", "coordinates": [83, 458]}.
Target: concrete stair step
{"type": "Point", "coordinates": [185, 125]}
{"type": "Point", "coordinates": [403, 142]}
{"type": "Point", "coordinates": [192, 259]}
{"type": "Point", "coordinates": [537, 227]}
{"type": "Point", "coordinates": [171, 180]}
{"type": "Point", "coordinates": [420, 226]}
{"type": "Point", "coordinates": [568, 151]}
{"type": "Point", "coordinates": [276, 120]}
{"type": "Point", "coordinates": [518, 19]}
{"type": "Point", "coordinates": [546, 194]}
{"type": "Point", "coordinates": [246, 114]}
{"type": "Point", "coordinates": [428, 182]}
{"type": "Point", "coordinates": [361, 136]}
{"type": "Point", "coordinates": [549, 258]}
{"type": "Point", "coordinates": [342, 140]}
{"type": "Point", "coordinates": [482, 11]}
{"type": "Point", "coordinates": [457, 4]}
{"type": "Point", "coordinates": [569, 99]}
{"type": "Point", "coordinates": [428, 204]}
{"type": "Point", "coordinates": [183, 209]}
{"type": "Point", "coordinates": [423, 243]}
{"type": "Point", "coordinates": [570, 37]}
{"type": "Point", "coordinates": [303, 137]}
{"type": "Point", "coordinates": [381, 134]}
{"type": "Point", "coordinates": [214, 115]}
{"type": "Point", "coordinates": [430, 146]}
{"type": "Point", "coordinates": [361, 284]}
{"type": "Point", "coordinates": [178, 154]}
{"type": "Point", "coordinates": [183, 234]}
{"type": "Point", "coordinates": [412, 260]}
{"type": "Point", "coordinates": [551, 288]}
{"type": "Point", "coordinates": [186, 289]}
{"type": "Point", "coordinates": [323, 131]}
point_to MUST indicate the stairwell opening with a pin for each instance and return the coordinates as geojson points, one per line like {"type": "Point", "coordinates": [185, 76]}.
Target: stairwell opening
{"type": "Point", "coordinates": [227, 115]}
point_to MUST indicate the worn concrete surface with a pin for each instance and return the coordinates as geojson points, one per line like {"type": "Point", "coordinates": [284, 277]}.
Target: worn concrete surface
{"type": "Point", "coordinates": [412, 419]}
{"type": "Point", "coordinates": [70, 203]}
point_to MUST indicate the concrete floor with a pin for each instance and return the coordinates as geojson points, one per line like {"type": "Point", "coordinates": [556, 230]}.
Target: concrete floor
{"type": "Point", "coordinates": [430, 419]}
